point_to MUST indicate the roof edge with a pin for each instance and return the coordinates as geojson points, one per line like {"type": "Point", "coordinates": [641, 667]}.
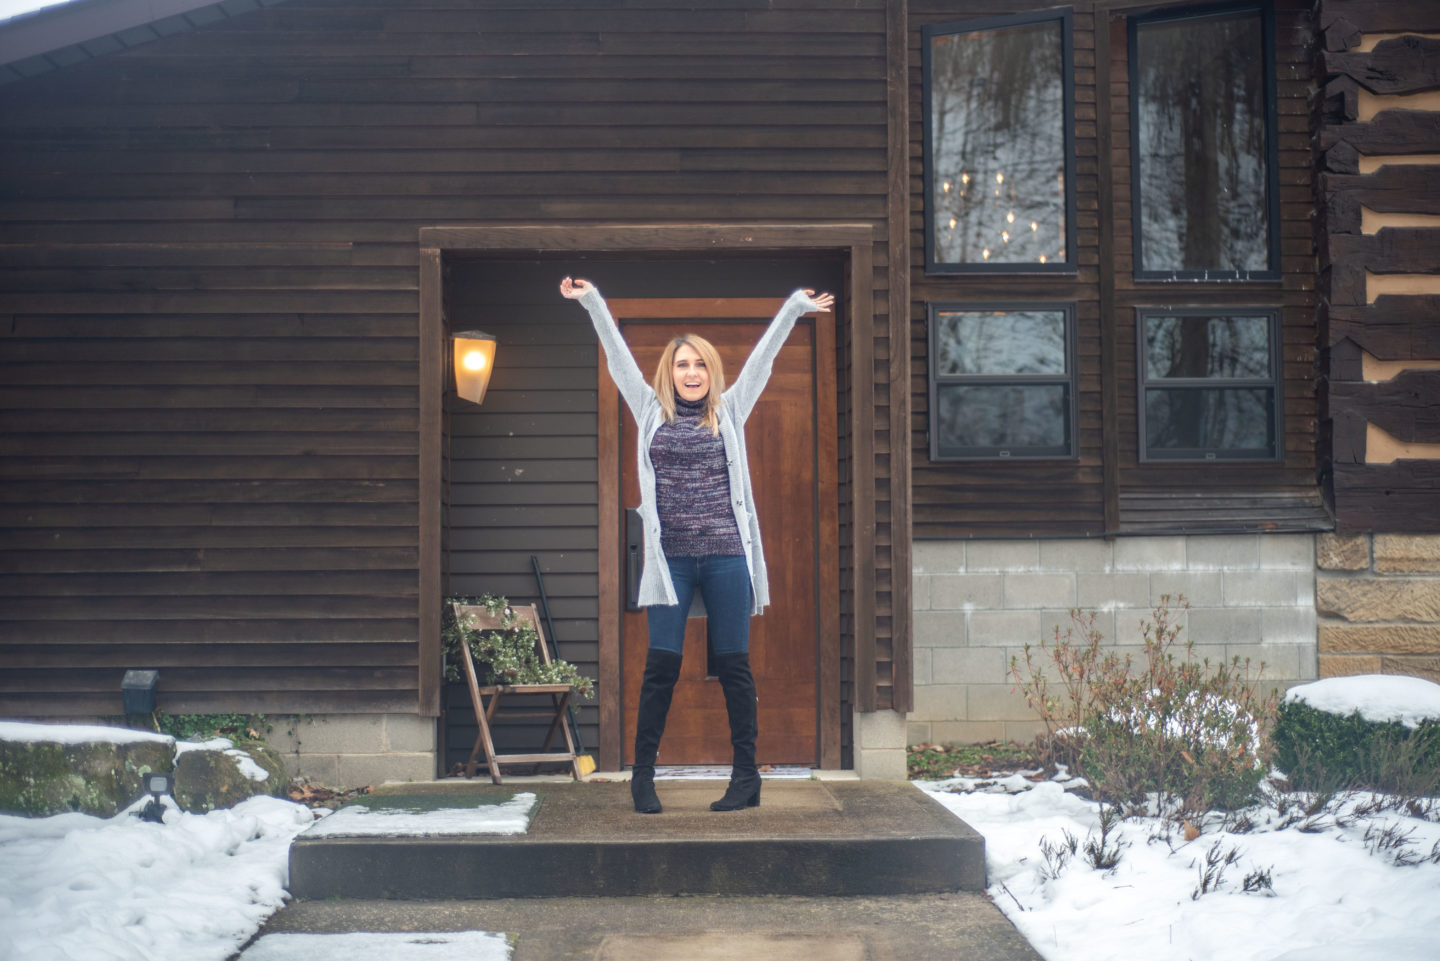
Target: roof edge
{"type": "Point", "coordinates": [60, 36]}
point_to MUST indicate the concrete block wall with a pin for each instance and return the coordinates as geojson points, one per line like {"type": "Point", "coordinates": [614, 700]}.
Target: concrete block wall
{"type": "Point", "coordinates": [354, 750]}
{"type": "Point", "coordinates": [978, 602]}
{"type": "Point", "coordinates": [1378, 599]}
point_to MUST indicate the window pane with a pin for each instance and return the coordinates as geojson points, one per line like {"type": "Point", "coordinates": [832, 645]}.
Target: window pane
{"type": "Point", "coordinates": [1026, 419]}
{"type": "Point", "coordinates": [997, 124]}
{"type": "Point", "coordinates": [1207, 347]}
{"type": "Point", "coordinates": [1239, 420]}
{"type": "Point", "coordinates": [1000, 342]}
{"type": "Point", "coordinates": [1200, 128]}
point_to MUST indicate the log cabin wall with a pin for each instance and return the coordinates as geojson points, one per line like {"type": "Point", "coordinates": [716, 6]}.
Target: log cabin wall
{"type": "Point", "coordinates": [1378, 233]}
{"type": "Point", "coordinates": [210, 282]}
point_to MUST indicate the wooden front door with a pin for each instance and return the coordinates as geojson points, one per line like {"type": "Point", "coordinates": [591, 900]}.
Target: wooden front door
{"type": "Point", "coordinates": [790, 437]}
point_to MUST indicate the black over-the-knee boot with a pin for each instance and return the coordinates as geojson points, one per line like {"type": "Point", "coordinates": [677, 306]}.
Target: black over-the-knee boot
{"type": "Point", "coordinates": [662, 669]}
{"type": "Point", "coordinates": [739, 687]}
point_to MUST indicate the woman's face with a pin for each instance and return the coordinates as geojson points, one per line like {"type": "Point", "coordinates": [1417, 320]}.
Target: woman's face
{"type": "Point", "coordinates": [692, 380]}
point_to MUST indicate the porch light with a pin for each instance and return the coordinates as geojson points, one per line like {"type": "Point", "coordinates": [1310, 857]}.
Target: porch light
{"type": "Point", "coordinates": [474, 359]}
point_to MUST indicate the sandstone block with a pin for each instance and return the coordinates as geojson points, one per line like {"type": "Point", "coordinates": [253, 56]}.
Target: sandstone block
{"type": "Point", "coordinates": [1348, 665]}
{"type": "Point", "coordinates": [1380, 639]}
{"type": "Point", "coordinates": [1426, 667]}
{"type": "Point", "coordinates": [1402, 553]}
{"type": "Point", "coordinates": [1336, 553]}
{"type": "Point", "coordinates": [1377, 599]}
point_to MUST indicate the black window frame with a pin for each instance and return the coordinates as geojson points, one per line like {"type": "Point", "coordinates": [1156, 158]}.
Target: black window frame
{"type": "Point", "coordinates": [1272, 138]}
{"type": "Point", "coordinates": [1275, 382]}
{"type": "Point", "coordinates": [1069, 379]}
{"type": "Point", "coordinates": [1065, 17]}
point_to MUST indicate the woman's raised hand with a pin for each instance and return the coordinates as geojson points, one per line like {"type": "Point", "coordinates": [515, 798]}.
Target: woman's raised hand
{"type": "Point", "coordinates": [575, 289]}
{"type": "Point", "coordinates": [823, 301]}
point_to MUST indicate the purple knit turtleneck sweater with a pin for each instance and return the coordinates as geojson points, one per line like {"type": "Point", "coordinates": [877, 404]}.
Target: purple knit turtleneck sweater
{"type": "Point", "coordinates": [692, 487]}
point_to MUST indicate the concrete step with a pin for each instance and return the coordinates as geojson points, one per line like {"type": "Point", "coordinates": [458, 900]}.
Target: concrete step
{"type": "Point", "coordinates": [928, 927]}
{"type": "Point", "coordinates": [807, 838]}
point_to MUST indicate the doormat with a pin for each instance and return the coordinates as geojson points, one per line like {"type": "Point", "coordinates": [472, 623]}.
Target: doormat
{"type": "Point", "coordinates": [706, 772]}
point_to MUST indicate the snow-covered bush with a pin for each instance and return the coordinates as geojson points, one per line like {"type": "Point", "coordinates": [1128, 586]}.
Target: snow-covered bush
{"type": "Point", "coordinates": [1324, 744]}
{"type": "Point", "coordinates": [1187, 732]}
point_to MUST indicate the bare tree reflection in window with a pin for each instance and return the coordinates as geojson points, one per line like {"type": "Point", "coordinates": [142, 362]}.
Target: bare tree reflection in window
{"type": "Point", "coordinates": [1201, 132]}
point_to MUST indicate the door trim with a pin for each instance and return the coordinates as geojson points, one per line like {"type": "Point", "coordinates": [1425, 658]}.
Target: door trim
{"type": "Point", "coordinates": [854, 242]}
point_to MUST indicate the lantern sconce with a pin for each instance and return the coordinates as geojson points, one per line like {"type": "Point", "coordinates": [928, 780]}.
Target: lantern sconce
{"type": "Point", "coordinates": [474, 360]}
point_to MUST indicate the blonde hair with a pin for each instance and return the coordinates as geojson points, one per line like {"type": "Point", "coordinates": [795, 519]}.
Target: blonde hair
{"type": "Point", "coordinates": [664, 382]}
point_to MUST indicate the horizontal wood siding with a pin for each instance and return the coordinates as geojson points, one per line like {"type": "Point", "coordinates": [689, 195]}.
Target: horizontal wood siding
{"type": "Point", "coordinates": [1021, 498]}
{"type": "Point", "coordinates": [1366, 230]}
{"type": "Point", "coordinates": [1068, 497]}
{"type": "Point", "coordinates": [209, 255]}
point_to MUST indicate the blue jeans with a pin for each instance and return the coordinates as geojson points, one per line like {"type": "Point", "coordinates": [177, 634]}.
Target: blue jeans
{"type": "Point", "coordinates": [724, 585]}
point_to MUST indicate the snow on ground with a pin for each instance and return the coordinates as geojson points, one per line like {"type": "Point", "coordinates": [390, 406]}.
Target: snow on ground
{"type": "Point", "coordinates": [430, 946]}
{"type": "Point", "coordinates": [82, 888]}
{"type": "Point", "coordinates": [1332, 895]}
{"type": "Point", "coordinates": [508, 817]}
{"type": "Point", "coordinates": [1378, 697]}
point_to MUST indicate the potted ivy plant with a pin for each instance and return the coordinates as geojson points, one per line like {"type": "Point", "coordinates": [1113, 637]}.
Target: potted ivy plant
{"type": "Point", "coordinates": [504, 656]}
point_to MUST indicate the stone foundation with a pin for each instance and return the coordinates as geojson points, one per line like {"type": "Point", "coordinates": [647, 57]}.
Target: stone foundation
{"type": "Point", "coordinates": [1378, 599]}
{"type": "Point", "coordinates": [977, 603]}
{"type": "Point", "coordinates": [354, 750]}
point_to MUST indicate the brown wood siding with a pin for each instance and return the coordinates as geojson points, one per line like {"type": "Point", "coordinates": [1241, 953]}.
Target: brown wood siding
{"type": "Point", "coordinates": [1107, 489]}
{"type": "Point", "coordinates": [1023, 498]}
{"type": "Point", "coordinates": [1372, 492]}
{"type": "Point", "coordinates": [210, 271]}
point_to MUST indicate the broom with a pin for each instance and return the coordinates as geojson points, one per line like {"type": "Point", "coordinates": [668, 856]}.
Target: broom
{"type": "Point", "coordinates": [584, 762]}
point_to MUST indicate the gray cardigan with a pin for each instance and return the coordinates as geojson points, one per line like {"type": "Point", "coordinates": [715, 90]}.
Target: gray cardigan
{"type": "Point", "coordinates": [736, 404]}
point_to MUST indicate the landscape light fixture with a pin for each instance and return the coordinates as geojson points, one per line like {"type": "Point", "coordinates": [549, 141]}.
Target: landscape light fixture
{"type": "Point", "coordinates": [158, 785]}
{"type": "Point", "coordinates": [474, 360]}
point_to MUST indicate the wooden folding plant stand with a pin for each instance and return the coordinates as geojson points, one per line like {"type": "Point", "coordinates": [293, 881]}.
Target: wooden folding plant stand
{"type": "Point", "coordinates": [487, 698]}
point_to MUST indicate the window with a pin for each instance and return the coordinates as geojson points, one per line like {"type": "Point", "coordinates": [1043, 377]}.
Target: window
{"type": "Point", "coordinates": [1209, 384]}
{"type": "Point", "coordinates": [1204, 182]}
{"type": "Point", "coordinates": [999, 145]}
{"type": "Point", "coordinates": [1002, 380]}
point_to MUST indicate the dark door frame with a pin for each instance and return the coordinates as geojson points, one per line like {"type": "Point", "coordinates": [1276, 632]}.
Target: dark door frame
{"type": "Point", "coordinates": [853, 242]}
